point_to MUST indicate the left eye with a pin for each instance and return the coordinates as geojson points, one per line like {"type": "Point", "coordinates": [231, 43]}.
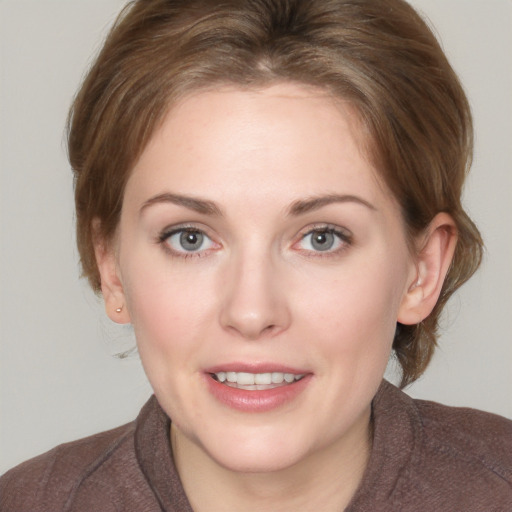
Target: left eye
{"type": "Point", "coordinates": [188, 240]}
{"type": "Point", "coordinates": [322, 240]}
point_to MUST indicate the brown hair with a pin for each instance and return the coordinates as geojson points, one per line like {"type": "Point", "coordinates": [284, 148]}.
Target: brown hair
{"type": "Point", "coordinates": [378, 55]}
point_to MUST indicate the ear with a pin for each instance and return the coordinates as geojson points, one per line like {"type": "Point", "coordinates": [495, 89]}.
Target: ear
{"type": "Point", "coordinates": [434, 256]}
{"type": "Point", "coordinates": [111, 284]}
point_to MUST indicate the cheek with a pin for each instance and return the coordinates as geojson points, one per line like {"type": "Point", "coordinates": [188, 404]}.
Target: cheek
{"type": "Point", "coordinates": [168, 304]}
{"type": "Point", "coordinates": [357, 310]}
{"type": "Point", "coordinates": [165, 324]}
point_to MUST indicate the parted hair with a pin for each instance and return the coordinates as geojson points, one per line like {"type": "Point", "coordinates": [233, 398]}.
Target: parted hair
{"type": "Point", "coordinates": [379, 55]}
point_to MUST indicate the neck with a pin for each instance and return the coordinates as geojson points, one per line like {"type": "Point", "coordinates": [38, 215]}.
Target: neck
{"type": "Point", "coordinates": [325, 480]}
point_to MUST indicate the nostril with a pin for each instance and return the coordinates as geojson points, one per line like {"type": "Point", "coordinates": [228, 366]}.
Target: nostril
{"type": "Point", "coordinates": [252, 306]}
{"type": "Point", "coordinates": [253, 331]}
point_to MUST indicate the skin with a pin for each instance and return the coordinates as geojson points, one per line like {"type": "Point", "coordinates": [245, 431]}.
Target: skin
{"type": "Point", "coordinates": [258, 292]}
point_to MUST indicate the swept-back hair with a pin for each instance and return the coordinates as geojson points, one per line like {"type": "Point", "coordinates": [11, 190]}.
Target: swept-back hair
{"type": "Point", "coordinates": [380, 56]}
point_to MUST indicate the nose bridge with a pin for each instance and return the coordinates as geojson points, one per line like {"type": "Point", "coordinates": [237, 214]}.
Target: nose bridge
{"type": "Point", "coordinates": [253, 304]}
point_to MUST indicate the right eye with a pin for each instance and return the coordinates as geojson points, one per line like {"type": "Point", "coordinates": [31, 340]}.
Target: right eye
{"type": "Point", "coordinates": [187, 241]}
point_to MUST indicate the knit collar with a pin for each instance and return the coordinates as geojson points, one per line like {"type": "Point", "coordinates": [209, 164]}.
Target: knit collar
{"type": "Point", "coordinates": [396, 434]}
{"type": "Point", "coordinates": [154, 454]}
{"type": "Point", "coordinates": [395, 450]}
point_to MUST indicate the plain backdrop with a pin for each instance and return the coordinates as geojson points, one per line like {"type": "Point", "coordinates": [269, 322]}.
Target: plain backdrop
{"type": "Point", "coordinates": [58, 378]}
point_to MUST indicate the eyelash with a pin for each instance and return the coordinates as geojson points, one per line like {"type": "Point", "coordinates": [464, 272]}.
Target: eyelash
{"type": "Point", "coordinates": [167, 233]}
{"type": "Point", "coordinates": [344, 239]}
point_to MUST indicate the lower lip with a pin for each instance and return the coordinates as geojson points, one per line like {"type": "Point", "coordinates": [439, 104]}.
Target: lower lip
{"type": "Point", "coordinates": [256, 400]}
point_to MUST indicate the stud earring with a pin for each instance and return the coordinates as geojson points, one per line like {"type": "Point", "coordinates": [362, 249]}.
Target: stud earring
{"type": "Point", "coordinates": [118, 310]}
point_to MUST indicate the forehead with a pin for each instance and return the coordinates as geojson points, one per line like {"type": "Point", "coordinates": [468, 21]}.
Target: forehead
{"type": "Point", "coordinates": [286, 137]}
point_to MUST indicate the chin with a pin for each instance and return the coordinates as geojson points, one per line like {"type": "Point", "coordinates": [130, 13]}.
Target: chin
{"type": "Point", "coordinates": [264, 461]}
{"type": "Point", "coordinates": [257, 451]}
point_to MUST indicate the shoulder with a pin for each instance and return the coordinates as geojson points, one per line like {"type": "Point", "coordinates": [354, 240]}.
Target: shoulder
{"type": "Point", "coordinates": [47, 481]}
{"type": "Point", "coordinates": [447, 458]}
{"type": "Point", "coordinates": [463, 427]}
{"type": "Point", "coordinates": [480, 439]}
{"type": "Point", "coordinates": [461, 459]}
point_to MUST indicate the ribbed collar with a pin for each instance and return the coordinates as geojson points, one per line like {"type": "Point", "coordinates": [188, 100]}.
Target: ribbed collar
{"type": "Point", "coordinates": [154, 454]}
{"type": "Point", "coordinates": [395, 451]}
{"type": "Point", "coordinates": [396, 435]}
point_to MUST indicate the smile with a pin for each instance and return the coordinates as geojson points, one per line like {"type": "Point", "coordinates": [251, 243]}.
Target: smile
{"type": "Point", "coordinates": [256, 381]}
{"type": "Point", "coordinates": [256, 391]}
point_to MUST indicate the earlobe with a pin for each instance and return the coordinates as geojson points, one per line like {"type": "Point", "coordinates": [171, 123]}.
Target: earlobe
{"type": "Point", "coordinates": [435, 252]}
{"type": "Point", "coordinates": [111, 285]}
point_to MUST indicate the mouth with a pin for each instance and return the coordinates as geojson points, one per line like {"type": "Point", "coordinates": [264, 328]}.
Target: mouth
{"type": "Point", "coordinates": [256, 381]}
{"type": "Point", "coordinates": [259, 389]}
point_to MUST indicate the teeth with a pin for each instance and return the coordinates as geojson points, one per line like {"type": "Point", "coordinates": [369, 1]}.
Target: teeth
{"type": "Point", "coordinates": [245, 379]}
{"type": "Point", "coordinates": [250, 379]}
{"type": "Point", "coordinates": [263, 378]}
{"type": "Point", "coordinates": [277, 377]}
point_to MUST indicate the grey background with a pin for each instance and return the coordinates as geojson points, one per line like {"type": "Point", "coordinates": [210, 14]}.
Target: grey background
{"type": "Point", "coordinates": [58, 379]}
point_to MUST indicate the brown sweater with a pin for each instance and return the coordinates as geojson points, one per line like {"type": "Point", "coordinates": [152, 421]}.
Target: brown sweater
{"type": "Point", "coordinates": [425, 457]}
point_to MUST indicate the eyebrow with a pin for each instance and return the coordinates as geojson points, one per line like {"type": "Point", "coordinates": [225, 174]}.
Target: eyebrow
{"type": "Point", "coordinates": [203, 206]}
{"type": "Point", "coordinates": [315, 203]}
{"type": "Point", "coordinates": [299, 207]}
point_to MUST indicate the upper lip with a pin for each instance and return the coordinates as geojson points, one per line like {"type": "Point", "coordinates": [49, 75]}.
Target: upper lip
{"type": "Point", "coordinates": [255, 368]}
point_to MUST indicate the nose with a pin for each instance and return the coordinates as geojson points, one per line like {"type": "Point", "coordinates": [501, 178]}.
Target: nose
{"type": "Point", "coordinates": [254, 299]}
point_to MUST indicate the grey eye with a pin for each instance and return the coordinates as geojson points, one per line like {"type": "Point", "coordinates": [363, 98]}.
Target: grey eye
{"type": "Point", "coordinates": [191, 240]}
{"type": "Point", "coordinates": [188, 241]}
{"type": "Point", "coordinates": [322, 240]}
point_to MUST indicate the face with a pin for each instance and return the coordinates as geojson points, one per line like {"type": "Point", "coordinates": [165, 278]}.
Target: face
{"type": "Point", "coordinates": [263, 265]}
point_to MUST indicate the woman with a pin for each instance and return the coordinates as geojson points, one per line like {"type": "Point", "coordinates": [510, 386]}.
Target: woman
{"type": "Point", "coordinates": [269, 192]}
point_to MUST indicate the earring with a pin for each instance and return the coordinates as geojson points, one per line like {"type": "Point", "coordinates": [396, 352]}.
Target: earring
{"type": "Point", "coordinates": [118, 310]}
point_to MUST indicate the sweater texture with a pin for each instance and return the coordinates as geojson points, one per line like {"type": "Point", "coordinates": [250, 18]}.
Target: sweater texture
{"type": "Point", "coordinates": [425, 457]}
